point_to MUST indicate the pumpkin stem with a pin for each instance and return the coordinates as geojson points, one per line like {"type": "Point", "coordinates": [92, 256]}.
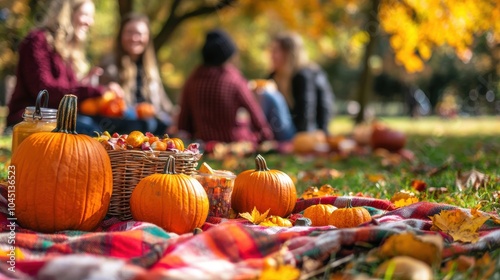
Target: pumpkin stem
{"type": "Point", "coordinates": [349, 203]}
{"type": "Point", "coordinates": [169, 166]}
{"type": "Point", "coordinates": [260, 164]}
{"type": "Point", "coordinates": [66, 115]}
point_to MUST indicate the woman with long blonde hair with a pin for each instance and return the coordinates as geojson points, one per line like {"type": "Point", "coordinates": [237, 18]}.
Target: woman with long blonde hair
{"type": "Point", "coordinates": [52, 57]}
{"type": "Point", "coordinates": [303, 83]}
{"type": "Point", "coordinates": [133, 65]}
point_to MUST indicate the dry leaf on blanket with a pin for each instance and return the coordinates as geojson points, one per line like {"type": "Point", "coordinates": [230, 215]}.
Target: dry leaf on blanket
{"type": "Point", "coordinates": [459, 224]}
{"type": "Point", "coordinates": [312, 192]}
{"type": "Point", "coordinates": [430, 247]}
{"type": "Point", "coordinates": [255, 217]}
{"type": "Point", "coordinates": [403, 198]}
{"type": "Point", "coordinates": [471, 179]}
{"type": "Point", "coordinates": [280, 272]}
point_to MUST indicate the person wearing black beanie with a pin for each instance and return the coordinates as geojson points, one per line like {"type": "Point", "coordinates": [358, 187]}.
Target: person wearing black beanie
{"type": "Point", "coordinates": [218, 48]}
{"type": "Point", "coordinates": [213, 95]}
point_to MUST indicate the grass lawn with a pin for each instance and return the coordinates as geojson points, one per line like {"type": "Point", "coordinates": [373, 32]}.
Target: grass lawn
{"type": "Point", "coordinates": [442, 149]}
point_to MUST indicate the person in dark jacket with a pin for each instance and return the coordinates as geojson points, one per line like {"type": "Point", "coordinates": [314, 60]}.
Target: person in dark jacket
{"type": "Point", "coordinates": [304, 84]}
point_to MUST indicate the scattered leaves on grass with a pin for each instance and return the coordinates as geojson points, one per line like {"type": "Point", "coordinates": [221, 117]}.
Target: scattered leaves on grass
{"type": "Point", "coordinates": [430, 247]}
{"type": "Point", "coordinates": [403, 198]}
{"type": "Point", "coordinates": [376, 178]}
{"type": "Point", "coordinates": [460, 225]}
{"type": "Point", "coordinates": [479, 268]}
{"type": "Point", "coordinates": [319, 175]}
{"type": "Point", "coordinates": [324, 190]}
{"type": "Point", "coordinates": [471, 179]}
{"type": "Point", "coordinates": [255, 217]}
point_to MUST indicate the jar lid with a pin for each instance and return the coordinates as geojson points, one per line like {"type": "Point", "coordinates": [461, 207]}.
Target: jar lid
{"type": "Point", "coordinates": [37, 112]}
{"type": "Point", "coordinates": [45, 113]}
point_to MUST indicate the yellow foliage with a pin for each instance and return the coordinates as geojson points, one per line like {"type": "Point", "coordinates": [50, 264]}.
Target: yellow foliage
{"type": "Point", "coordinates": [255, 217]}
{"type": "Point", "coordinates": [430, 247]}
{"type": "Point", "coordinates": [460, 225]}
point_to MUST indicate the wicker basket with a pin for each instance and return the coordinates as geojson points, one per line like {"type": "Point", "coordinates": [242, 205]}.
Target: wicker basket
{"type": "Point", "coordinates": [130, 166]}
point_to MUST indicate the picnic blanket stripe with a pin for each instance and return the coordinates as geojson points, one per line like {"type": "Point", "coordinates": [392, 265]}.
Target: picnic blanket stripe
{"type": "Point", "coordinates": [226, 249]}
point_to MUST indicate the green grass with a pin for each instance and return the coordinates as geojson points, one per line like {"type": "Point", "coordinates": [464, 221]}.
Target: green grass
{"type": "Point", "coordinates": [448, 145]}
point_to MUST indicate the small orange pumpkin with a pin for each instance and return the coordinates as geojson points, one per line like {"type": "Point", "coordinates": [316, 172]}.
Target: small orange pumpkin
{"type": "Point", "coordinates": [145, 110]}
{"type": "Point", "coordinates": [178, 143]}
{"type": "Point", "coordinates": [264, 189]}
{"type": "Point", "coordinates": [90, 106]}
{"type": "Point", "coordinates": [349, 216]}
{"type": "Point", "coordinates": [319, 214]}
{"type": "Point", "coordinates": [64, 180]}
{"type": "Point", "coordinates": [174, 201]}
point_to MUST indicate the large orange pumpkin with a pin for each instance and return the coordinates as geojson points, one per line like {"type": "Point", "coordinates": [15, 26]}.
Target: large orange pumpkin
{"type": "Point", "coordinates": [264, 189]}
{"type": "Point", "coordinates": [176, 202]}
{"type": "Point", "coordinates": [63, 180]}
{"type": "Point", "coordinates": [349, 216]}
{"type": "Point", "coordinates": [319, 214]}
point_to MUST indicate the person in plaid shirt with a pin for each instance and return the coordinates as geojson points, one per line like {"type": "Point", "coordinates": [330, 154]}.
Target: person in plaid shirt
{"type": "Point", "coordinates": [214, 93]}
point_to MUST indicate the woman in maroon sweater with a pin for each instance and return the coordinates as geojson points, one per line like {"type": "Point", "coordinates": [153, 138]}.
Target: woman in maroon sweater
{"type": "Point", "coordinates": [51, 57]}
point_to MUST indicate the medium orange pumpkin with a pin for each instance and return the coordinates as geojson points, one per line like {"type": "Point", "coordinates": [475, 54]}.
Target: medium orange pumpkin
{"type": "Point", "coordinates": [349, 216]}
{"type": "Point", "coordinates": [319, 214]}
{"type": "Point", "coordinates": [176, 202]}
{"type": "Point", "coordinates": [264, 189]}
{"type": "Point", "coordinates": [64, 180]}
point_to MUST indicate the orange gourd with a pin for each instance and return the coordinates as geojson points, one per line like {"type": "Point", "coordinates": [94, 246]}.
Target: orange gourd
{"type": "Point", "coordinates": [264, 189]}
{"type": "Point", "coordinates": [90, 106]}
{"type": "Point", "coordinates": [136, 138]}
{"type": "Point", "coordinates": [63, 180]}
{"type": "Point", "coordinates": [145, 110]}
{"type": "Point", "coordinates": [108, 105]}
{"type": "Point", "coordinates": [176, 202]}
{"type": "Point", "coordinates": [178, 143]}
{"type": "Point", "coordinates": [319, 214]}
{"type": "Point", "coordinates": [349, 216]}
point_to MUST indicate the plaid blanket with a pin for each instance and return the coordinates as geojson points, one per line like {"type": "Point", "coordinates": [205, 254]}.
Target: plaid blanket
{"type": "Point", "coordinates": [226, 249]}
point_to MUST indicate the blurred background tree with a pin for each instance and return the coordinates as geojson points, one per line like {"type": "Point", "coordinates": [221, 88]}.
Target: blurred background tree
{"type": "Point", "coordinates": [375, 52]}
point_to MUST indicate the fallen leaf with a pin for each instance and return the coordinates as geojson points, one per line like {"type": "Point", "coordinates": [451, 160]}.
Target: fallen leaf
{"type": "Point", "coordinates": [255, 217]}
{"type": "Point", "coordinates": [375, 178]}
{"type": "Point", "coordinates": [275, 221]}
{"type": "Point", "coordinates": [460, 264]}
{"type": "Point", "coordinates": [471, 179]}
{"type": "Point", "coordinates": [280, 272]}
{"type": "Point", "coordinates": [460, 225]}
{"type": "Point", "coordinates": [402, 195]}
{"type": "Point", "coordinates": [403, 267]}
{"type": "Point", "coordinates": [430, 247]}
{"type": "Point", "coordinates": [435, 192]}
{"type": "Point", "coordinates": [319, 175]}
{"type": "Point", "coordinates": [324, 190]}
{"type": "Point", "coordinates": [405, 202]}
{"type": "Point", "coordinates": [485, 267]}
{"type": "Point", "coordinates": [418, 185]}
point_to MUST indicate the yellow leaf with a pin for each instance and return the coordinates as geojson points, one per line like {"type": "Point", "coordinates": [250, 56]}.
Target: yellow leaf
{"type": "Point", "coordinates": [375, 178]}
{"type": "Point", "coordinates": [402, 195]}
{"type": "Point", "coordinates": [280, 272]}
{"type": "Point", "coordinates": [459, 224]}
{"type": "Point", "coordinates": [276, 221]}
{"type": "Point", "coordinates": [430, 247]}
{"type": "Point", "coordinates": [255, 217]}
{"type": "Point", "coordinates": [405, 202]}
{"type": "Point", "coordinates": [324, 190]}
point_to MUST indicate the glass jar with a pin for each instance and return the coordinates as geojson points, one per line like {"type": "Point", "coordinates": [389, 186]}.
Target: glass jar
{"type": "Point", "coordinates": [35, 119]}
{"type": "Point", "coordinates": [219, 187]}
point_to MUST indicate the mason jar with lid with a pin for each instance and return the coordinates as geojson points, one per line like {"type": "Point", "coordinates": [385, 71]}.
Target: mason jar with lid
{"type": "Point", "coordinates": [35, 119]}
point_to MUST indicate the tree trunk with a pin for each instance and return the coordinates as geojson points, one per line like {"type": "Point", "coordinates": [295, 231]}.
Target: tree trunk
{"type": "Point", "coordinates": [175, 20]}
{"type": "Point", "coordinates": [125, 7]}
{"type": "Point", "coordinates": [366, 78]}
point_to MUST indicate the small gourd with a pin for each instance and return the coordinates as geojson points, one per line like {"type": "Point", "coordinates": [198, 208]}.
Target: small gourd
{"type": "Point", "coordinates": [349, 217]}
{"type": "Point", "coordinates": [264, 189]}
{"type": "Point", "coordinates": [174, 201]}
{"type": "Point", "coordinates": [319, 214]}
{"type": "Point", "coordinates": [279, 221]}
